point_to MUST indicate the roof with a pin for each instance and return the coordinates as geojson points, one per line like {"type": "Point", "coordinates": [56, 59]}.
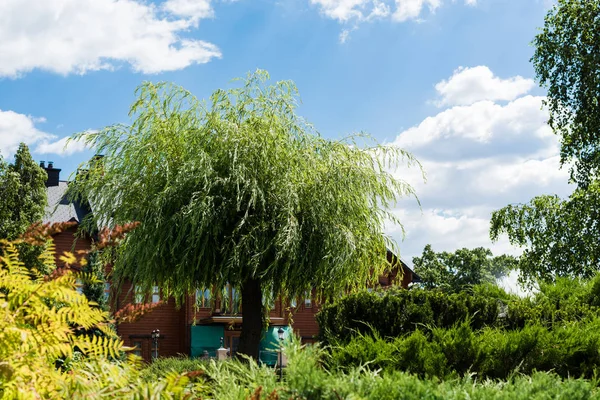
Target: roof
{"type": "Point", "coordinates": [415, 277]}
{"type": "Point", "coordinates": [393, 258]}
{"type": "Point", "coordinates": [60, 209]}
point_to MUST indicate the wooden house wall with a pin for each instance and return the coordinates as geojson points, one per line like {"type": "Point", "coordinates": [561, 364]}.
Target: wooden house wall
{"type": "Point", "coordinates": [68, 241]}
{"type": "Point", "coordinates": [170, 320]}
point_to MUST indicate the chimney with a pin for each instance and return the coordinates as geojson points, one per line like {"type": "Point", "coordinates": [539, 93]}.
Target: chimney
{"type": "Point", "coordinates": [53, 174]}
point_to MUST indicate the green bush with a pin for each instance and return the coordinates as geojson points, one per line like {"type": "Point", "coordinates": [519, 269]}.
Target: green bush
{"type": "Point", "coordinates": [570, 350]}
{"type": "Point", "coordinates": [399, 312]}
{"type": "Point", "coordinates": [306, 378]}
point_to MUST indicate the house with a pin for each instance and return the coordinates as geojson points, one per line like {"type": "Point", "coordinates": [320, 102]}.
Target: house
{"type": "Point", "coordinates": [208, 318]}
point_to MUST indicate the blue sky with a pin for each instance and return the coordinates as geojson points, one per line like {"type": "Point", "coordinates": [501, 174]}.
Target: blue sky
{"type": "Point", "coordinates": [449, 80]}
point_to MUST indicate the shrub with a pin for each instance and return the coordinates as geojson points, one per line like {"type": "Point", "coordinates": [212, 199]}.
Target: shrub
{"type": "Point", "coordinates": [44, 349]}
{"type": "Point", "coordinates": [305, 378]}
{"type": "Point", "coordinates": [569, 350]}
{"type": "Point", "coordinates": [162, 367]}
{"type": "Point", "coordinates": [399, 312]}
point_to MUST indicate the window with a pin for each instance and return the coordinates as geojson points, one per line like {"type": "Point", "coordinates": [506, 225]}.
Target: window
{"type": "Point", "coordinates": [235, 300]}
{"type": "Point", "coordinates": [155, 294]}
{"type": "Point", "coordinates": [308, 299]}
{"type": "Point", "coordinates": [293, 303]}
{"type": "Point", "coordinates": [230, 300]}
{"type": "Point", "coordinates": [137, 348]}
{"type": "Point", "coordinates": [106, 291]}
{"type": "Point", "coordinates": [269, 300]}
{"type": "Point", "coordinates": [203, 298]}
{"type": "Point", "coordinates": [138, 295]}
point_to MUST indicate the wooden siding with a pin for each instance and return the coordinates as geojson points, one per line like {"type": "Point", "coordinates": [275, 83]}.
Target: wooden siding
{"type": "Point", "coordinates": [170, 320]}
{"type": "Point", "coordinates": [67, 241]}
{"type": "Point", "coordinates": [303, 321]}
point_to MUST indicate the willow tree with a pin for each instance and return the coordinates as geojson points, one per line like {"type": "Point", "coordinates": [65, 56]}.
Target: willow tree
{"type": "Point", "coordinates": [240, 190]}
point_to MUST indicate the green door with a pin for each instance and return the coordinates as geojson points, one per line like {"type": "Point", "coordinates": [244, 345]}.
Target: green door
{"type": "Point", "coordinates": [206, 338]}
{"type": "Point", "coordinates": [270, 343]}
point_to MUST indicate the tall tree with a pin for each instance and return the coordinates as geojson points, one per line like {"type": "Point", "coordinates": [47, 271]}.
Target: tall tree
{"type": "Point", "coordinates": [561, 237]}
{"type": "Point", "coordinates": [22, 194]}
{"type": "Point", "coordinates": [241, 191]}
{"type": "Point", "coordinates": [567, 63]}
{"type": "Point", "coordinates": [463, 268]}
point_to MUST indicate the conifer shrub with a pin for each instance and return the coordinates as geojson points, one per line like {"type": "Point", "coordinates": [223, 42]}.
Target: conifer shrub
{"type": "Point", "coordinates": [307, 378]}
{"type": "Point", "coordinates": [399, 312]}
{"type": "Point", "coordinates": [571, 350]}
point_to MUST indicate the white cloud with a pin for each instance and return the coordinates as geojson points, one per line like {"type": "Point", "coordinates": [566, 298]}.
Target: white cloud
{"type": "Point", "coordinates": [77, 36]}
{"type": "Point", "coordinates": [411, 9]}
{"type": "Point", "coordinates": [469, 85]}
{"type": "Point", "coordinates": [356, 11]}
{"type": "Point", "coordinates": [478, 158]}
{"type": "Point", "coordinates": [482, 129]}
{"type": "Point", "coordinates": [16, 128]}
{"type": "Point", "coordinates": [511, 285]}
{"type": "Point", "coordinates": [61, 147]}
{"type": "Point", "coordinates": [343, 10]}
{"type": "Point", "coordinates": [344, 35]}
{"type": "Point", "coordinates": [196, 9]}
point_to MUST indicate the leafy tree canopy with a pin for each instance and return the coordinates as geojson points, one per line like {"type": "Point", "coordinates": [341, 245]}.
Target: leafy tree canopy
{"type": "Point", "coordinates": [22, 194]}
{"type": "Point", "coordinates": [560, 237]}
{"type": "Point", "coordinates": [461, 269]}
{"type": "Point", "coordinates": [242, 191]}
{"type": "Point", "coordinates": [567, 61]}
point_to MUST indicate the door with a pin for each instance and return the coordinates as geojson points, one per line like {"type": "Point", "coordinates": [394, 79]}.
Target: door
{"type": "Point", "coordinates": [232, 341]}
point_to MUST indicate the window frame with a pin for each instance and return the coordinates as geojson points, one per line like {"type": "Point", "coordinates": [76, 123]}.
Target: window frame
{"type": "Point", "coordinates": [308, 303]}
{"type": "Point", "coordinates": [202, 299]}
{"type": "Point", "coordinates": [155, 294]}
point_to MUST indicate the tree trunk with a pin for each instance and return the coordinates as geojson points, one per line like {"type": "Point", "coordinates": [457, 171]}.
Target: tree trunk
{"type": "Point", "coordinates": [252, 318]}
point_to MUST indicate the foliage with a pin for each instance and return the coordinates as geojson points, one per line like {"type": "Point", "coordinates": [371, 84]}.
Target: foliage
{"type": "Point", "coordinates": [23, 194]}
{"type": "Point", "coordinates": [94, 289]}
{"type": "Point", "coordinates": [560, 237]}
{"type": "Point", "coordinates": [461, 269]}
{"type": "Point", "coordinates": [566, 61]}
{"type": "Point", "coordinates": [242, 191]}
{"type": "Point", "coordinates": [396, 313]}
{"type": "Point", "coordinates": [44, 350]}
{"type": "Point", "coordinates": [399, 312]}
{"type": "Point", "coordinates": [307, 378]}
{"type": "Point", "coordinates": [161, 367]}
{"type": "Point", "coordinates": [571, 349]}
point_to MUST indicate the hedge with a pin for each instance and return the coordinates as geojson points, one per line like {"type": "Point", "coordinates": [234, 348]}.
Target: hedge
{"type": "Point", "coordinates": [400, 312]}
{"type": "Point", "coordinates": [571, 350]}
